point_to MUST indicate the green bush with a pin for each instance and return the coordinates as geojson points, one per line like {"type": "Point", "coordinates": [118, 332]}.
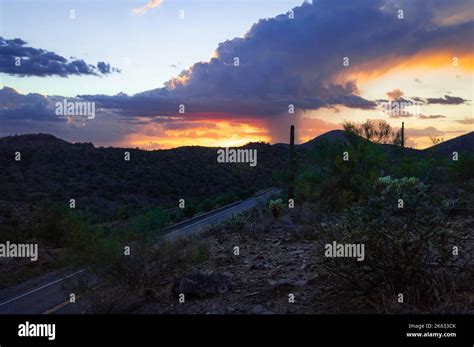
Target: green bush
{"type": "Point", "coordinates": [337, 183]}
{"type": "Point", "coordinates": [62, 227]}
{"type": "Point", "coordinates": [235, 224]}
{"type": "Point", "coordinates": [463, 169]}
{"type": "Point", "coordinates": [324, 153]}
{"type": "Point", "coordinates": [409, 189]}
{"type": "Point", "coordinates": [190, 210]}
{"type": "Point", "coordinates": [150, 222]}
{"type": "Point", "coordinates": [207, 205]}
{"type": "Point", "coordinates": [306, 184]}
{"type": "Point", "coordinates": [276, 207]}
{"type": "Point", "coordinates": [407, 250]}
{"type": "Point", "coordinates": [94, 245]}
{"type": "Point", "coordinates": [427, 168]}
{"type": "Point", "coordinates": [122, 213]}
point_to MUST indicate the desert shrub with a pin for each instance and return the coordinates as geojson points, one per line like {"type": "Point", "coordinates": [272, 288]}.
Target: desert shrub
{"type": "Point", "coordinates": [10, 226]}
{"type": "Point", "coordinates": [207, 205]}
{"type": "Point", "coordinates": [276, 207]}
{"type": "Point", "coordinates": [150, 222]}
{"type": "Point", "coordinates": [463, 169]}
{"type": "Point", "coordinates": [131, 271]}
{"type": "Point", "coordinates": [409, 189]}
{"type": "Point", "coordinates": [407, 250]}
{"type": "Point", "coordinates": [62, 227]}
{"type": "Point", "coordinates": [377, 131]}
{"type": "Point", "coordinates": [198, 253]}
{"type": "Point", "coordinates": [324, 153]}
{"type": "Point", "coordinates": [279, 178]}
{"type": "Point", "coordinates": [94, 245]}
{"type": "Point", "coordinates": [226, 198]}
{"type": "Point", "coordinates": [190, 210]}
{"type": "Point", "coordinates": [429, 169]}
{"type": "Point", "coordinates": [180, 254]}
{"type": "Point", "coordinates": [333, 195]}
{"type": "Point", "coordinates": [338, 183]}
{"type": "Point", "coordinates": [244, 223]}
{"type": "Point", "coordinates": [140, 271]}
{"type": "Point", "coordinates": [122, 213]}
{"type": "Point", "coordinates": [103, 250]}
{"type": "Point", "coordinates": [306, 184]}
{"type": "Point", "coordinates": [235, 223]}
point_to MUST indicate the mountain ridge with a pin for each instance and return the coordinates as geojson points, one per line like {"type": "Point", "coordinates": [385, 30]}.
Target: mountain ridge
{"type": "Point", "coordinates": [464, 142]}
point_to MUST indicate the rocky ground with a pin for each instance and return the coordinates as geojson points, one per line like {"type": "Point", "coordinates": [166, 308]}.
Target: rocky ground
{"type": "Point", "coordinates": [274, 271]}
{"type": "Point", "coordinates": [268, 270]}
{"type": "Point", "coordinates": [277, 271]}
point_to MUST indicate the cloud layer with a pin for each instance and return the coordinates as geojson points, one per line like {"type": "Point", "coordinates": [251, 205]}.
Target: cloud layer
{"type": "Point", "coordinates": [305, 58]}
{"type": "Point", "coordinates": [16, 58]}
{"type": "Point", "coordinates": [447, 100]}
{"type": "Point", "coordinates": [298, 58]}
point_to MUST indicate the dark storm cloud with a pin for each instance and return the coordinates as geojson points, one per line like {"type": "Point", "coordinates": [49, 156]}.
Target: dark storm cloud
{"type": "Point", "coordinates": [447, 100]}
{"type": "Point", "coordinates": [32, 107]}
{"type": "Point", "coordinates": [34, 113]}
{"type": "Point", "coordinates": [418, 99]}
{"type": "Point", "coordinates": [286, 61]}
{"type": "Point", "coordinates": [298, 61]}
{"type": "Point", "coordinates": [436, 116]}
{"type": "Point", "coordinates": [39, 62]}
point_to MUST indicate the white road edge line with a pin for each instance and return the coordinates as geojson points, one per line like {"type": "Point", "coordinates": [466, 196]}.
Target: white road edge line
{"type": "Point", "coordinates": [189, 226]}
{"type": "Point", "coordinates": [82, 270]}
{"type": "Point", "coordinates": [42, 287]}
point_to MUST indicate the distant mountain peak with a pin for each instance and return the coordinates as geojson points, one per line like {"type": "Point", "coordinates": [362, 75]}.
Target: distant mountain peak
{"type": "Point", "coordinates": [463, 143]}
{"type": "Point", "coordinates": [32, 139]}
{"type": "Point", "coordinates": [330, 136]}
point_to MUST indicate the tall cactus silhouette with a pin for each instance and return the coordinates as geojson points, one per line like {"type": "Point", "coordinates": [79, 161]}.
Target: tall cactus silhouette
{"type": "Point", "coordinates": [403, 134]}
{"type": "Point", "coordinates": [292, 166]}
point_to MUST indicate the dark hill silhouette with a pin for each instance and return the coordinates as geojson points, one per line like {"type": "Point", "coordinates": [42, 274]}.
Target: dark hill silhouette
{"type": "Point", "coordinates": [330, 136]}
{"type": "Point", "coordinates": [341, 137]}
{"type": "Point", "coordinates": [29, 140]}
{"type": "Point", "coordinates": [463, 143]}
{"type": "Point", "coordinates": [52, 170]}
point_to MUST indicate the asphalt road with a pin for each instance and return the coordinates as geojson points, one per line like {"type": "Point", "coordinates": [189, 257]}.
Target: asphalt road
{"type": "Point", "coordinates": [200, 223]}
{"type": "Point", "coordinates": [44, 293]}
{"type": "Point", "coordinates": [49, 293]}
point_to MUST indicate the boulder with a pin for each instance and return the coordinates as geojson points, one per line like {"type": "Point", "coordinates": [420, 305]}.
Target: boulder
{"type": "Point", "coordinates": [200, 285]}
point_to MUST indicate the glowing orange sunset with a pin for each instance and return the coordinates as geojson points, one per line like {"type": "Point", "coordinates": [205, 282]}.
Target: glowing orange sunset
{"type": "Point", "coordinates": [241, 89]}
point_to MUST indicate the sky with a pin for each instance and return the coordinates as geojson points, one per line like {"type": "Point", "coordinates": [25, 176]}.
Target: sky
{"type": "Point", "coordinates": [169, 73]}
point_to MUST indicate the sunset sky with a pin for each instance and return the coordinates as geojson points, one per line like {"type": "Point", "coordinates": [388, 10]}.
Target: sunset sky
{"type": "Point", "coordinates": [139, 60]}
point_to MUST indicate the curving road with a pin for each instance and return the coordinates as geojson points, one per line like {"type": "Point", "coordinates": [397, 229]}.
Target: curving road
{"type": "Point", "coordinates": [50, 292]}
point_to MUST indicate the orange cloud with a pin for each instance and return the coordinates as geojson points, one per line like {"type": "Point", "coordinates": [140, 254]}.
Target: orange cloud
{"type": "Point", "coordinates": [148, 6]}
{"type": "Point", "coordinates": [462, 59]}
{"type": "Point", "coordinates": [395, 94]}
{"type": "Point", "coordinates": [213, 133]}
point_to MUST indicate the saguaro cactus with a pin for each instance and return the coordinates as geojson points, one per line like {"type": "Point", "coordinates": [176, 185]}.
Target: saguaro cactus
{"type": "Point", "coordinates": [403, 134]}
{"type": "Point", "coordinates": [292, 166]}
